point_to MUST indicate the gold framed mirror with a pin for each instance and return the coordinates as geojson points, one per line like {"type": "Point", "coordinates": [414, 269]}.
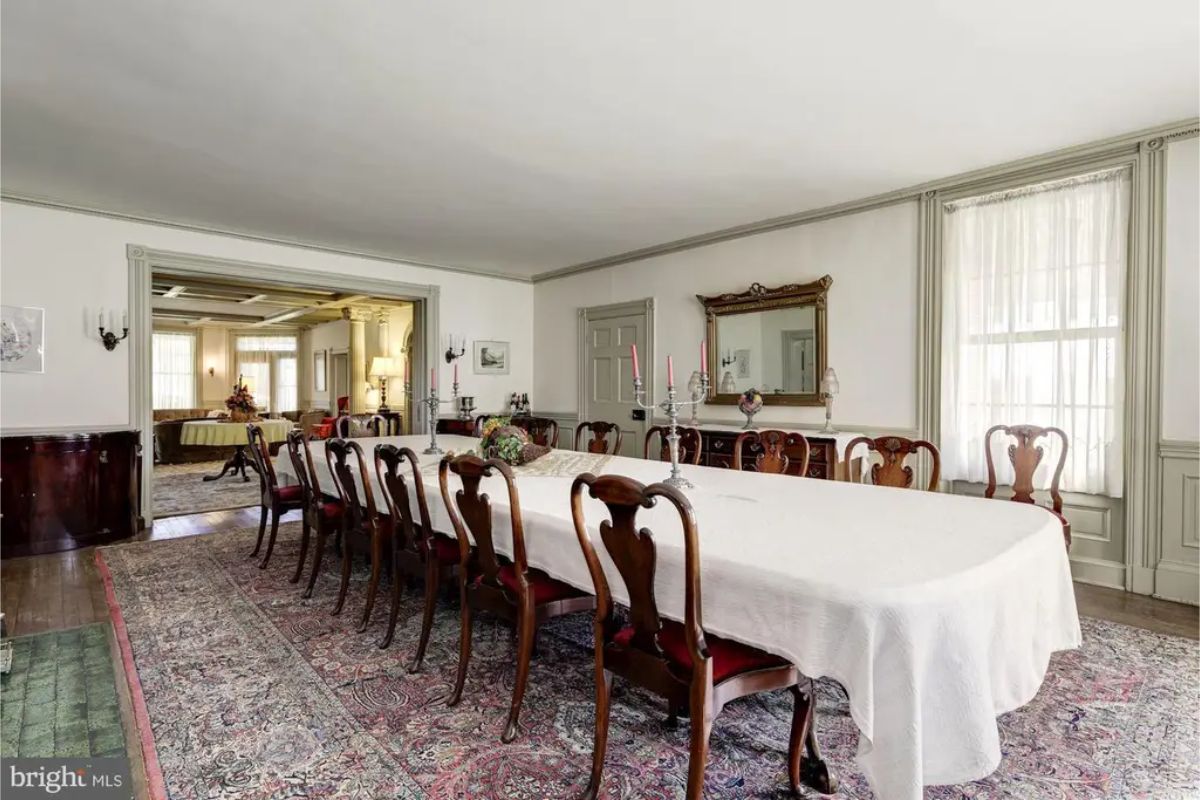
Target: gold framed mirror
{"type": "Point", "coordinates": [773, 340]}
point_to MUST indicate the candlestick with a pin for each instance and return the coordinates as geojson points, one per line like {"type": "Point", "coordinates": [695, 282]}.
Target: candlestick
{"type": "Point", "coordinates": [670, 407]}
{"type": "Point", "coordinates": [432, 402]}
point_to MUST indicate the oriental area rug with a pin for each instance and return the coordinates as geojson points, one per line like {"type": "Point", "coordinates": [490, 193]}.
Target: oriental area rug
{"type": "Point", "coordinates": [181, 489]}
{"type": "Point", "coordinates": [246, 690]}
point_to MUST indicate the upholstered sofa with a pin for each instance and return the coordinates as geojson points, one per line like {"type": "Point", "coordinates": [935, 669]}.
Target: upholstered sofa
{"type": "Point", "coordinates": [169, 450]}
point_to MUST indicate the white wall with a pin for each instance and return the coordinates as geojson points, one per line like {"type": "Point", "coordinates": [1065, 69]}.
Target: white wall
{"type": "Point", "coordinates": [327, 336]}
{"type": "Point", "coordinates": [1181, 294]}
{"type": "Point", "coordinates": [71, 264]}
{"type": "Point", "coordinates": [872, 318]}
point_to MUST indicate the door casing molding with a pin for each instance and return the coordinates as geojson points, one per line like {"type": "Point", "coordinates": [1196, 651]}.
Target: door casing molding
{"type": "Point", "coordinates": [144, 260]}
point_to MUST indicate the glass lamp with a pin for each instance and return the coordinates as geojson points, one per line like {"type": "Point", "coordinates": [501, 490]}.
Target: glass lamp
{"type": "Point", "coordinates": [829, 388]}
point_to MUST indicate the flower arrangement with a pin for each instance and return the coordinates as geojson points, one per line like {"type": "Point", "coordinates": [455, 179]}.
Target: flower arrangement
{"type": "Point", "coordinates": [241, 403]}
{"type": "Point", "coordinates": [505, 441]}
{"type": "Point", "coordinates": [750, 403]}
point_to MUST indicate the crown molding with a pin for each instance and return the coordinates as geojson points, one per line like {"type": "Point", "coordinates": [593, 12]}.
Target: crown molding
{"type": "Point", "coordinates": [58, 205]}
{"type": "Point", "coordinates": [1152, 138]}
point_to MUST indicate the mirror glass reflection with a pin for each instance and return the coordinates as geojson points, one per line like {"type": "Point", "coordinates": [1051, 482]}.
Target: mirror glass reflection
{"type": "Point", "coordinates": [774, 351]}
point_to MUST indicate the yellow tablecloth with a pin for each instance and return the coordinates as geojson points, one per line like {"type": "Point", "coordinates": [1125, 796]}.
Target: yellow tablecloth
{"type": "Point", "coordinates": [224, 434]}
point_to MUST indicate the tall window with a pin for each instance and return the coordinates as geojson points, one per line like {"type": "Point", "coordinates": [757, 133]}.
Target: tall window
{"type": "Point", "coordinates": [173, 366]}
{"type": "Point", "coordinates": [1032, 312]}
{"type": "Point", "coordinates": [268, 365]}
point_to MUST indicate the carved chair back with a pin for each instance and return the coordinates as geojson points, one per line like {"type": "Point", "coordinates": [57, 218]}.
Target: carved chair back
{"type": "Point", "coordinates": [360, 425]}
{"type": "Point", "coordinates": [390, 466]}
{"type": "Point", "coordinates": [471, 511]}
{"type": "Point", "coordinates": [895, 450]}
{"type": "Point", "coordinates": [773, 449]}
{"type": "Point", "coordinates": [1025, 456]}
{"type": "Point", "coordinates": [541, 430]}
{"type": "Point", "coordinates": [689, 444]}
{"type": "Point", "coordinates": [261, 456]}
{"type": "Point", "coordinates": [633, 553]}
{"type": "Point", "coordinates": [599, 443]}
{"type": "Point", "coordinates": [358, 498]}
{"type": "Point", "coordinates": [302, 464]}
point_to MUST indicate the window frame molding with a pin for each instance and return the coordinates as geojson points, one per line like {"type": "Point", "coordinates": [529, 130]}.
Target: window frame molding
{"type": "Point", "coordinates": [1145, 157]}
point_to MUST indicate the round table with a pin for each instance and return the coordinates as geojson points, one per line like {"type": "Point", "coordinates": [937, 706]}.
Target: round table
{"type": "Point", "coordinates": [216, 433]}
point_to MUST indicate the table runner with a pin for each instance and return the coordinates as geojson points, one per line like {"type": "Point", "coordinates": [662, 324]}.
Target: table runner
{"type": "Point", "coordinates": [937, 613]}
{"type": "Point", "coordinates": [225, 434]}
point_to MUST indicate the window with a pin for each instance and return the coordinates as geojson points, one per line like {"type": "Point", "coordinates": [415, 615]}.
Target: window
{"type": "Point", "coordinates": [267, 365]}
{"type": "Point", "coordinates": [173, 366]}
{"type": "Point", "coordinates": [1032, 314]}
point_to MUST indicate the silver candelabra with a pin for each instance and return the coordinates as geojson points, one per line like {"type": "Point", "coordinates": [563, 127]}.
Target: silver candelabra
{"type": "Point", "coordinates": [671, 407]}
{"type": "Point", "coordinates": [433, 403]}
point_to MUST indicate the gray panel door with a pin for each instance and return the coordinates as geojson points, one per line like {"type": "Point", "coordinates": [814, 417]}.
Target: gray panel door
{"type": "Point", "coordinates": [608, 380]}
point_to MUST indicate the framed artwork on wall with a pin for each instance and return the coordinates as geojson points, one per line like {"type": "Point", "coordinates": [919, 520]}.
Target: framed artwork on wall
{"type": "Point", "coordinates": [319, 371]}
{"type": "Point", "coordinates": [22, 339]}
{"type": "Point", "coordinates": [491, 358]}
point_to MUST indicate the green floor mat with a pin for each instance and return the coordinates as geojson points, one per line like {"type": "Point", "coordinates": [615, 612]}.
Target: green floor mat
{"type": "Point", "coordinates": [60, 698]}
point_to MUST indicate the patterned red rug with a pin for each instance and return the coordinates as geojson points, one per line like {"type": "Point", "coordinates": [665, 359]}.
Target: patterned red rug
{"type": "Point", "coordinates": [252, 692]}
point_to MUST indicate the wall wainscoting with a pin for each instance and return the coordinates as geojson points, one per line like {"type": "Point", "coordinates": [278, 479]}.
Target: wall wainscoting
{"type": "Point", "coordinates": [1179, 518]}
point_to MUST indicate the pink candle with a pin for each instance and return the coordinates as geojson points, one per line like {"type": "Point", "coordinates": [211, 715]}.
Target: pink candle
{"type": "Point", "coordinates": [433, 379]}
{"type": "Point", "coordinates": [703, 355]}
{"type": "Point", "coordinates": [670, 372]}
{"type": "Point", "coordinates": [633, 352]}
{"type": "Point", "coordinates": [408, 371]}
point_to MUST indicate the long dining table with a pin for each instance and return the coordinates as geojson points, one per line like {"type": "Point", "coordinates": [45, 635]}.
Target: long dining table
{"type": "Point", "coordinates": [936, 612]}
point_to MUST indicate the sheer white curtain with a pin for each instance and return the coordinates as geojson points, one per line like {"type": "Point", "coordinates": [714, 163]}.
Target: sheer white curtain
{"type": "Point", "coordinates": [173, 369]}
{"type": "Point", "coordinates": [268, 365]}
{"type": "Point", "coordinates": [1032, 311]}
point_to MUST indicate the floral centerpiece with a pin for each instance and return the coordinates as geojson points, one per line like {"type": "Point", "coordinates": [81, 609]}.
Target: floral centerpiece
{"type": "Point", "coordinates": [241, 403]}
{"type": "Point", "coordinates": [750, 403]}
{"type": "Point", "coordinates": [507, 442]}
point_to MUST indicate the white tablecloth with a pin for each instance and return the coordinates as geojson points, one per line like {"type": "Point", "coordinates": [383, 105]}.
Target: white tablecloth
{"type": "Point", "coordinates": [226, 434]}
{"type": "Point", "coordinates": [936, 612]}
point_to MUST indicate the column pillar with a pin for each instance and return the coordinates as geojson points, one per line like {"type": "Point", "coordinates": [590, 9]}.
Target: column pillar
{"type": "Point", "coordinates": [358, 358]}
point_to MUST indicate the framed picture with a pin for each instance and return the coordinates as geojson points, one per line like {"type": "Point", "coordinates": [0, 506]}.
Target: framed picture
{"type": "Point", "coordinates": [22, 339]}
{"type": "Point", "coordinates": [742, 359]}
{"type": "Point", "coordinates": [319, 371]}
{"type": "Point", "coordinates": [491, 358]}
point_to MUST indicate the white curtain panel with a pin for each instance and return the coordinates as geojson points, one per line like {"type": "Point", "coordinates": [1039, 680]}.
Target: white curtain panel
{"type": "Point", "coordinates": [173, 367]}
{"type": "Point", "coordinates": [268, 365]}
{"type": "Point", "coordinates": [1032, 317]}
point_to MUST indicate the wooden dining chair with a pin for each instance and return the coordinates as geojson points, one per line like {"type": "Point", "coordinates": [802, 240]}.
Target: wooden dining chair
{"type": "Point", "coordinates": [541, 430]}
{"type": "Point", "coordinates": [696, 672]}
{"type": "Point", "coordinates": [510, 589]}
{"type": "Point", "coordinates": [599, 443]}
{"type": "Point", "coordinates": [417, 550]}
{"type": "Point", "coordinates": [322, 514]}
{"type": "Point", "coordinates": [361, 522]}
{"type": "Point", "coordinates": [356, 426]}
{"type": "Point", "coordinates": [276, 500]}
{"type": "Point", "coordinates": [770, 450]}
{"type": "Point", "coordinates": [689, 444]}
{"type": "Point", "coordinates": [1025, 456]}
{"type": "Point", "coordinates": [895, 450]}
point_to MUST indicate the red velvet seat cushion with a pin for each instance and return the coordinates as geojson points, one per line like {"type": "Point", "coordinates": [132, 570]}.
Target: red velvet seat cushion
{"type": "Point", "coordinates": [332, 509]}
{"type": "Point", "coordinates": [545, 588]}
{"type": "Point", "coordinates": [445, 549]}
{"type": "Point", "coordinates": [729, 658]}
{"type": "Point", "coordinates": [291, 494]}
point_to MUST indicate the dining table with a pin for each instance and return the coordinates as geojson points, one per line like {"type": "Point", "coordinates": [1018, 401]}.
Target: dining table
{"type": "Point", "coordinates": [935, 612]}
{"type": "Point", "coordinates": [225, 433]}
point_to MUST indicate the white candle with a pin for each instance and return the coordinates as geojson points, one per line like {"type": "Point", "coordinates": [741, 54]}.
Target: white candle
{"type": "Point", "coordinates": [101, 316]}
{"type": "Point", "coordinates": [125, 319]}
{"type": "Point", "coordinates": [456, 372]}
{"type": "Point", "coordinates": [670, 372]}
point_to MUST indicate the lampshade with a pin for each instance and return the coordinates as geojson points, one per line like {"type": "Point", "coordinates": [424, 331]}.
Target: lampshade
{"type": "Point", "coordinates": [382, 366]}
{"type": "Point", "coordinates": [829, 382]}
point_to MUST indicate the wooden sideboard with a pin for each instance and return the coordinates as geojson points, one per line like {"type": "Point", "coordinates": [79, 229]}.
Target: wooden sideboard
{"type": "Point", "coordinates": [455, 426]}
{"type": "Point", "coordinates": [717, 451]}
{"type": "Point", "coordinates": [65, 491]}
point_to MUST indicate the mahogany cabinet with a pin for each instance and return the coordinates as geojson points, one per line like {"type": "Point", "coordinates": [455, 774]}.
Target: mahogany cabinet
{"type": "Point", "coordinates": [717, 451]}
{"type": "Point", "coordinates": [458, 427]}
{"type": "Point", "coordinates": [65, 491]}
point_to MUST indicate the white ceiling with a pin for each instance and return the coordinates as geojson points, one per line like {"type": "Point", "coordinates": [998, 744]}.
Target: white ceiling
{"type": "Point", "coordinates": [526, 136]}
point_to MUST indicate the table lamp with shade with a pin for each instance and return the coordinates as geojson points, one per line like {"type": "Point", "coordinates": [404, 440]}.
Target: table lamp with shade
{"type": "Point", "coordinates": [829, 388]}
{"type": "Point", "coordinates": [383, 367]}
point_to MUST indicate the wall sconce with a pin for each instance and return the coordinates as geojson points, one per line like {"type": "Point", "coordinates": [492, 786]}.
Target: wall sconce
{"type": "Point", "coordinates": [108, 338]}
{"type": "Point", "coordinates": [212, 371]}
{"type": "Point", "coordinates": [452, 353]}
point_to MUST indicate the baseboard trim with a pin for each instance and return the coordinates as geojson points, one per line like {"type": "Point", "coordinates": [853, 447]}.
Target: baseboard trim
{"type": "Point", "coordinates": [1177, 582]}
{"type": "Point", "coordinates": [1110, 574]}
